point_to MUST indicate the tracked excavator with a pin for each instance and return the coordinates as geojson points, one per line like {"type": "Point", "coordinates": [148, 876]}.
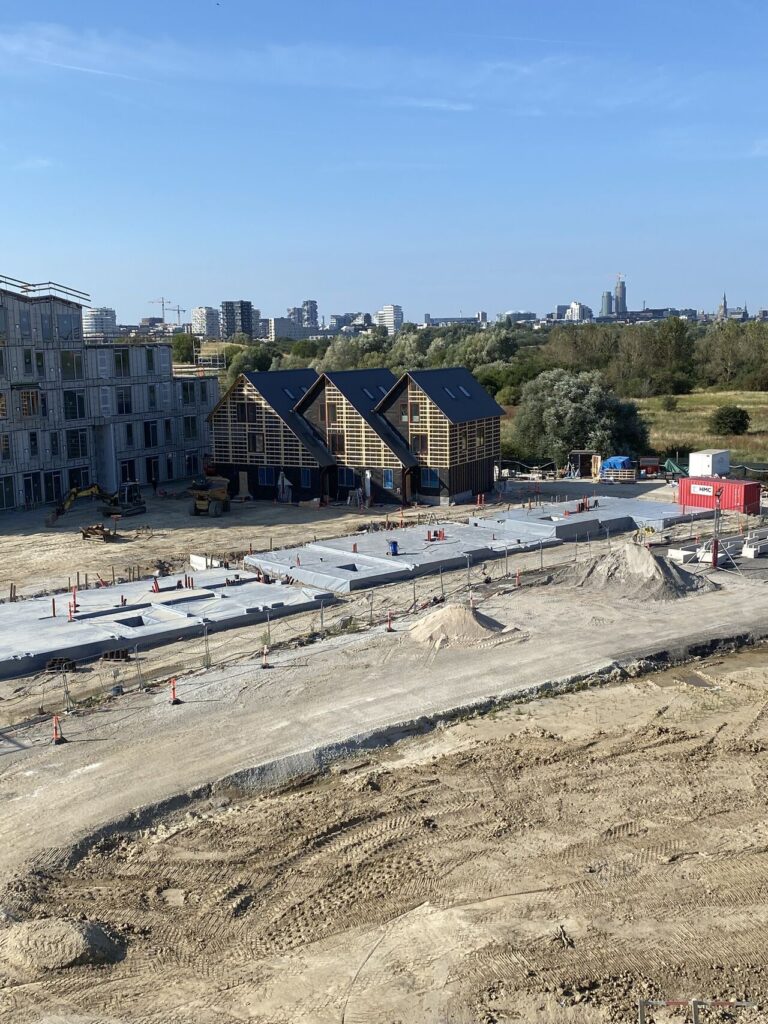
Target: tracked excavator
{"type": "Point", "coordinates": [125, 501]}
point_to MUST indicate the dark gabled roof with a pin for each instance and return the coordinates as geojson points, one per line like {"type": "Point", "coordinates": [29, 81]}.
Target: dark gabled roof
{"type": "Point", "coordinates": [281, 389]}
{"type": "Point", "coordinates": [364, 390]}
{"type": "Point", "coordinates": [454, 391]}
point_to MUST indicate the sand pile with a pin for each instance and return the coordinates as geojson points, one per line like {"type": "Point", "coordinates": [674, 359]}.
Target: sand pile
{"type": "Point", "coordinates": [454, 622]}
{"type": "Point", "coordinates": [632, 571]}
{"type": "Point", "coordinates": [53, 943]}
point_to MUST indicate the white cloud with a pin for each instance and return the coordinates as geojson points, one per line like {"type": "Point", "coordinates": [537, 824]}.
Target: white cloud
{"type": "Point", "coordinates": [445, 106]}
{"type": "Point", "coordinates": [33, 163]}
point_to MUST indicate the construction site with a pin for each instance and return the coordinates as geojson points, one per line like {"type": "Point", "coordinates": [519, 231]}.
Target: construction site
{"type": "Point", "coordinates": [482, 763]}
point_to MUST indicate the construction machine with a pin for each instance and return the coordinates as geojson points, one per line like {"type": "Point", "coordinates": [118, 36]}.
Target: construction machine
{"type": "Point", "coordinates": [125, 501]}
{"type": "Point", "coordinates": [210, 496]}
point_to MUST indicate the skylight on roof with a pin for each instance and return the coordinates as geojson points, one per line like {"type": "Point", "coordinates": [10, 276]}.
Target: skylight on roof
{"type": "Point", "coordinates": [367, 392]}
{"type": "Point", "coordinates": [289, 393]}
{"type": "Point", "coordinates": [303, 390]}
{"type": "Point", "coordinates": [382, 389]}
{"type": "Point", "coordinates": [448, 392]}
{"type": "Point", "coordinates": [464, 391]}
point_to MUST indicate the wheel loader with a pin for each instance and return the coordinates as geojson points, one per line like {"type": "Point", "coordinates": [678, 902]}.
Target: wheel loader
{"type": "Point", "coordinates": [210, 496]}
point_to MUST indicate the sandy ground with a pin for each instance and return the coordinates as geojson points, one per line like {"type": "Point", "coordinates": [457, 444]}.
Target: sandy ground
{"type": "Point", "coordinates": [553, 862]}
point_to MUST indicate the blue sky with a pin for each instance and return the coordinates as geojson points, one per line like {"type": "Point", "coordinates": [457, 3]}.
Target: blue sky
{"type": "Point", "coordinates": [441, 154]}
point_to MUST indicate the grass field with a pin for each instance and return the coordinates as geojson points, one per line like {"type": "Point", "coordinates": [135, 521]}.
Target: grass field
{"type": "Point", "coordinates": [686, 427]}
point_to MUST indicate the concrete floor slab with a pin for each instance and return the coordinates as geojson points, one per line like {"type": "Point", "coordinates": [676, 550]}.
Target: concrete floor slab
{"type": "Point", "coordinates": [134, 616]}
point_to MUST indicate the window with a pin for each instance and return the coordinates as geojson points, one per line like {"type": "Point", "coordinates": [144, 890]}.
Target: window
{"type": "Point", "coordinates": [367, 392]}
{"type": "Point", "coordinates": [122, 362]}
{"type": "Point", "coordinates": [53, 441]}
{"type": "Point", "coordinates": [74, 405]}
{"type": "Point", "coordinates": [168, 432]}
{"type": "Point", "coordinates": [346, 476]}
{"type": "Point", "coordinates": [3, 324]}
{"type": "Point", "coordinates": [336, 442]}
{"type": "Point", "coordinates": [30, 403]}
{"type": "Point", "coordinates": [255, 443]}
{"type": "Point", "coordinates": [388, 479]}
{"type": "Point", "coordinates": [25, 324]}
{"type": "Point", "coordinates": [71, 366]}
{"type": "Point", "coordinates": [203, 390]}
{"type": "Point", "coordinates": [429, 478]}
{"type": "Point", "coordinates": [3, 407]}
{"type": "Point", "coordinates": [266, 476]}
{"type": "Point", "coordinates": [333, 412]}
{"type": "Point", "coordinates": [2, 356]}
{"type": "Point", "coordinates": [382, 389]}
{"type": "Point", "coordinates": [191, 463]}
{"type": "Point", "coordinates": [290, 394]}
{"type": "Point", "coordinates": [419, 444]}
{"type": "Point", "coordinates": [463, 442]}
{"type": "Point", "coordinates": [464, 391]}
{"type": "Point", "coordinates": [6, 492]}
{"type": "Point", "coordinates": [52, 486]}
{"type": "Point", "coordinates": [129, 435]}
{"type": "Point", "coordinates": [79, 478]}
{"type": "Point", "coordinates": [40, 365]}
{"type": "Point", "coordinates": [5, 447]}
{"type": "Point", "coordinates": [403, 412]}
{"type": "Point", "coordinates": [34, 447]}
{"type": "Point", "coordinates": [77, 444]}
{"type": "Point", "coordinates": [27, 362]}
{"type": "Point", "coordinates": [150, 434]}
{"type": "Point", "coordinates": [415, 418]}
{"type": "Point", "coordinates": [188, 392]}
{"type": "Point", "coordinates": [241, 411]}
{"type": "Point", "coordinates": [448, 392]}
{"type": "Point", "coordinates": [124, 401]}
{"type": "Point", "coordinates": [150, 353]}
{"type": "Point", "coordinates": [152, 469]}
{"type": "Point", "coordinates": [67, 328]}
{"type": "Point", "coordinates": [322, 413]}
{"type": "Point", "coordinates": [480, 437]}
{"type": "Point", "coordinates": [190, 428]}
{"type": "Point", "coordinates": [306, 479]}
{"type": "Point", "coordinates": [127, 471]}
{"type": "Point", "coordinates": [46, 327]}
{"type": "Point", "coordinates": [152, 396]}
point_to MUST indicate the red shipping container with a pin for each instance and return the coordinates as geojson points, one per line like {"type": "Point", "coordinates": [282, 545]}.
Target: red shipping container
{"type": "Point", "coordinates": [737, 495]}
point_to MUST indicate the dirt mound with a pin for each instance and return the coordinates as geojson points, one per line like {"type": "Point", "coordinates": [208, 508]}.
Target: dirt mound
{"type": "Point", "coordinates": [632, 571]}
{"type": "Point", "coordinates": [454, 622]}
{"type": "Point", "coordinates": [53, 943]}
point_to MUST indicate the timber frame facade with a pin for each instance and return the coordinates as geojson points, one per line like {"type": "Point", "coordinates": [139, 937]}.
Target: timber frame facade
{"type": "Point", "coordinates": [432, 435]}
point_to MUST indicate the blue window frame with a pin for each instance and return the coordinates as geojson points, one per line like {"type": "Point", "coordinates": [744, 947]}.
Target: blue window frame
{"type": "Point", "coordinates": [388, 481]}
{"type": "Point", "coordinates": [346, 476]}
{"type": "Point", "coordinates": [266, 476]}
{"type": "Point", "coordinates": [429, 477]}
{"type": "Point", "coordinates": [306, 478]}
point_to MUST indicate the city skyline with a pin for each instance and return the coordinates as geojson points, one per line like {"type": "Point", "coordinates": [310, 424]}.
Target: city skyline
{"type": "Point", "coordinates": [514, 155]}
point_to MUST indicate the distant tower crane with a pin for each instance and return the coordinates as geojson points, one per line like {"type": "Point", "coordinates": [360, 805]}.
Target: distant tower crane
{"type": "Point", "coordinates": [162, 302]}
{"type": "Point", "coordinates": [178, 310]}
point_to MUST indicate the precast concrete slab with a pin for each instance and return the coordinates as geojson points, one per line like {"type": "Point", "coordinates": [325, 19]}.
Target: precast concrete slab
{"type": "Point", "coordinates": [137, 616]}
{"type": "Point", "coordinates": [362, 560]}
{"type": "Point", "coordinates": [606, 515]}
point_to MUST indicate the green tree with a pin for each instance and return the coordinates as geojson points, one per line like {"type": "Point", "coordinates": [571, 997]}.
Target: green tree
{"type": "Point", "coordinates": [729, 419]}
{"type": "Point", "coordinates": [183, 348]}
{"type": "Point", "coordinates": [561, 411]}
{"type": "Point", "coordinates": [255, 357]}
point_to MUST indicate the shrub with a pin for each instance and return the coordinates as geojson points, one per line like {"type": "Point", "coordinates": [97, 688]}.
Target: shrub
{"type": "Point", "coordinates": [729, 419]}
{"type": "Point", "coordinates": [669, 403]}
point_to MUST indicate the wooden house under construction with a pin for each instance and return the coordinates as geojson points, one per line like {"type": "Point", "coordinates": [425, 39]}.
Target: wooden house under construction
{"type": "Point", "coordinates": [432, 435]}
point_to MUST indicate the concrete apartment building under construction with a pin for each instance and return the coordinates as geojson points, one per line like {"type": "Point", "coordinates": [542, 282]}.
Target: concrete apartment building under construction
{"type": "Point", "coordinates": [73, 413]}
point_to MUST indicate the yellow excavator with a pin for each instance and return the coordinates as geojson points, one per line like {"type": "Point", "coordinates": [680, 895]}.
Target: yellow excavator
{"type": "Point", "coordinates": [125, 501]}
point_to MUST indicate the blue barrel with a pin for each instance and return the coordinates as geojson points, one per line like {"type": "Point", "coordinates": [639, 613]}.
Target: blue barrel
{"type": "Point", "coordinates": [393, 547]}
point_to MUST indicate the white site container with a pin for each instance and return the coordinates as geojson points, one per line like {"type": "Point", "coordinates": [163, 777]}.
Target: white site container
{"type": "Point", "coordinates": [710, 462]}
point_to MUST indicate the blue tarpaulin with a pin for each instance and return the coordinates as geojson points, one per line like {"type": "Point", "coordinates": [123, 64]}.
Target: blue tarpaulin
{"type": "Point", "coordinates": [616, 462]}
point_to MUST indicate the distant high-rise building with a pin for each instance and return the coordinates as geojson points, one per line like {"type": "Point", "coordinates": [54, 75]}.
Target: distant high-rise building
{"type": "Point", "coordinates": [559, 312]}
{"type": "Point", "coordinates": [309, 314]}
{"type": "Point", "coordinates": [606, 308]}
{"type": "Point", "coordinates": [577, 312]}
{"type": "Point", "coordinates": [620, 296]}
{"type": "Point", "coordinates": [238, 317]}
{"type": "Point", "coordinates": [205, 322]}
{"type": "Point", "coordinates": [99, 323]}
{"type": "Point", "coordinates": [390, 317]}
{"type": "Point", "coordinates": [294, 314]}
{"type": "Point", "coordinates": [283, 327]}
